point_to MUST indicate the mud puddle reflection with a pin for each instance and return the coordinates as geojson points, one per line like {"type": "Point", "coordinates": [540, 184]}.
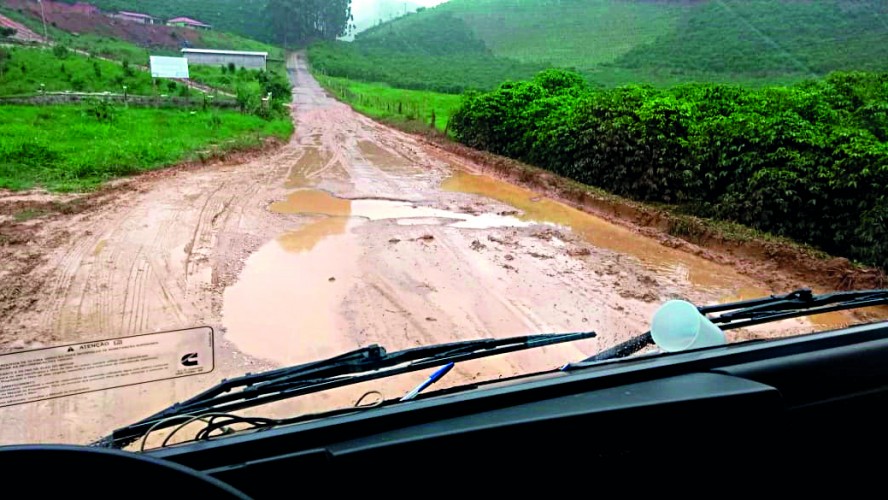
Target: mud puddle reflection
{"type": "Point", "coordinates": [282, 307]}
{"type": "Point", "coordinates": [406, 213]}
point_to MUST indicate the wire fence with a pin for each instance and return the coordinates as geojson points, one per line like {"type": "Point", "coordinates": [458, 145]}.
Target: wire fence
{"type": "Point", "coordinates": [159, 101]}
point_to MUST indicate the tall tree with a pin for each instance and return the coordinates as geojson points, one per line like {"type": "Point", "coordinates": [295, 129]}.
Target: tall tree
{"type": "Point", "coordinates": [296, 23]}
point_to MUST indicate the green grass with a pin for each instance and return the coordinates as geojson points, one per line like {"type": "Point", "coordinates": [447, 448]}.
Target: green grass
{"type": "Point", "coordinates": [222, 78]}
{"type": "Point", "coordinates": [392, 104]}
{"type": "Point", "coordinates": [28, 68]}
{"type": "Point", "coordinates": [65, 148]}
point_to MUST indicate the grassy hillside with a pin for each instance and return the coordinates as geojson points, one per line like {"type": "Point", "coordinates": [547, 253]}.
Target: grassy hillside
{"type": "Point", "coordinates": [54, 147]}
{"type": "Point", "coordinates": [566, 33]}
{"type": "Point", "coordinates": [23, 70]}
{"type": "Point", "coordinates": [443, 56]}
{"type": "Point", "coordinates": [771, 38]}
{"type": "Point", "coordinates": [616, 42]}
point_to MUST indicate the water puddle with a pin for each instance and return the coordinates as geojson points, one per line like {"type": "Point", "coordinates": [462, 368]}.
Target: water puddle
{"type": "Point", "coordinates": [699, 272]}
{"type": "Point", "coordinates": [323, 203]}
{"type": "Point", "coordinates": [308, 236]}
{"type": "Point", "coordinates": [282, 307]}
{"type": "Point", "coordinates": [594, 230]}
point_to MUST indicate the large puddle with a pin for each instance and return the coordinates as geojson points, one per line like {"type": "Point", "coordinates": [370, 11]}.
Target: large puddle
{"type": "Point", "coordinates": [701, 273]}
{"type": "Point", "coordinates": [317, 202]}
{"type": "Point", "coordinates": [603, 234]}
{"type": "Point", "coordinates": [283, 306]}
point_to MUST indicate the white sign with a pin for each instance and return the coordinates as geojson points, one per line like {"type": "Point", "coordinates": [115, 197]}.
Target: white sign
{"type": "Point", "coordinates": [29, 376]}
{"type": "Point", "coordinates": [169, 67]}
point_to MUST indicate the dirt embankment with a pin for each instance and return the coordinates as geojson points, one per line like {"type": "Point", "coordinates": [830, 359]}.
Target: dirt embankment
{"type": "Point", "coordinates": [82, 18]}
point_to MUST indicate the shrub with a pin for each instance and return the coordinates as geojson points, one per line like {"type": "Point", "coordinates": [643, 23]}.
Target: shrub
{"type": "Point", "coordinates": [809, 161]}
{"type": "Point", "coordinates": [249, 97]}
{"type": "Point", "coordinates": [101, 110]}
{"type": "Point", "coordinates": [60, 51]}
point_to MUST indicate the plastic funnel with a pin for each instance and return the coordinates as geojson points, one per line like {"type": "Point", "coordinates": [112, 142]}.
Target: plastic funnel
{"type": "Point", "coordinates": [679, 326]}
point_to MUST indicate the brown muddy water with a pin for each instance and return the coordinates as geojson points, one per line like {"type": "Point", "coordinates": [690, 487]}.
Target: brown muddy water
{"type": "Point", "coordinates": [295, 283]}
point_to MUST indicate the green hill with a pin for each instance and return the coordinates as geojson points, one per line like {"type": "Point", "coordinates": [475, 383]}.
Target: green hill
{"type": "Point", "coordinates": [568, 33]}
{"type": "Point", "coordinates": [615, 42]}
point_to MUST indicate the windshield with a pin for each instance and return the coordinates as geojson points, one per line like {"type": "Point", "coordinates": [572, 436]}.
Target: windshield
{"type": "Point", "coordinates": [193, 190]}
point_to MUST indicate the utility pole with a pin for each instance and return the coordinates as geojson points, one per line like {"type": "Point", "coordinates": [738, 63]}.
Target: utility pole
{"type": "Point", "coordinates": [43, 15]}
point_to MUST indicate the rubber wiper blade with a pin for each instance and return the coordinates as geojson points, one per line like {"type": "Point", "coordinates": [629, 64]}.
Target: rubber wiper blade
{"type": "Point", "coordinates": [353, 367]}
{"type": "Point", "coordinates": [759, 311]}
{"type": "Point", "coordinates": [794, 305]}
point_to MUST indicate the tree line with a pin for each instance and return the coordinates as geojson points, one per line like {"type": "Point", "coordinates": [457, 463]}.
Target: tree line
{"type": "Point", "coordinates": [297, 23]}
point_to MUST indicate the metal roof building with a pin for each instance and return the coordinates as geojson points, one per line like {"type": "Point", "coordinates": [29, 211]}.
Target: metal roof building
{"type": "Point", "coordinates": [210, 57]}
{"type": "Point", "coordinates": [187, 22]}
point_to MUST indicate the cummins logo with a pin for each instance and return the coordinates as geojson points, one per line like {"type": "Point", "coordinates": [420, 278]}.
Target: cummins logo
{"type": "Point", "coordinates": [190, 359]}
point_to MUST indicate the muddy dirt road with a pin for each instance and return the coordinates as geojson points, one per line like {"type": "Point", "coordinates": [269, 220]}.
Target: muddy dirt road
{"type": "Point", "coordinates": [351, 234]}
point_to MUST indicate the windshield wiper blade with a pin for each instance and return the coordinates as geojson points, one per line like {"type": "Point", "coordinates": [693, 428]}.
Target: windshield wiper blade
{"type": "Point", "coordinates": [353, 367]}
{"type": "Point", "coordinates": [764, 310]}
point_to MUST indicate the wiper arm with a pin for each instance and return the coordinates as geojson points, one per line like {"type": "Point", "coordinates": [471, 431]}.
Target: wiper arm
{"type": "Point", "coordinates": [765, 310]}
{"type": "Point", "coordinates": [353, 367]}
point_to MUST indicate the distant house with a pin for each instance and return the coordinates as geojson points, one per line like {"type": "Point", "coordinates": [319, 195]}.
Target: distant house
{"type": "Point", "coordinates": [134, 17]}
{"type": "Point", "coordinates": [208, 57]}
{"type": "Point", "coordinates": [187, 22]}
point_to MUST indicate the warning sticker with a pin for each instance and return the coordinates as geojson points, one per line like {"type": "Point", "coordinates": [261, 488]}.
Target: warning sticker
{"type": "Point", "coordinates": [29, 376]}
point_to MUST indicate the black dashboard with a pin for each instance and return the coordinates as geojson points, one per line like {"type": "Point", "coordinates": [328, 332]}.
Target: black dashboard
{"type": "Point", "coordinates": [802, 401]}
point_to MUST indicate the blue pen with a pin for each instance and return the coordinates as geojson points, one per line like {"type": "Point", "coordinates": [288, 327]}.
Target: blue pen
{"type": "Point", "coordinates": [429, 381]}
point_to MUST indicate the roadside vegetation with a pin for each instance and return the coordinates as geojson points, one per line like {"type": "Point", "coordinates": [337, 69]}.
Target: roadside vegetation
{"type": "Point", "coordinates": [230, 79]}
{"type": "Point", "coordinates": [808, 161]}
{"type": "Point", "coordinates": [24, 70]}
{"type": "Point", "coordinates": [57, 147]}
{"type": "Point", "coordinates": [414, 109]}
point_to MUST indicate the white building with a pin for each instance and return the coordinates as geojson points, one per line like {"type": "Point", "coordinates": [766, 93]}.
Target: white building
{"type": "Point", "coordinates": [209, 57]}
{"type": "Point", "coordinates": [134, 17]}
